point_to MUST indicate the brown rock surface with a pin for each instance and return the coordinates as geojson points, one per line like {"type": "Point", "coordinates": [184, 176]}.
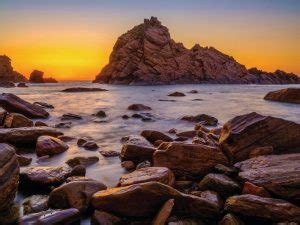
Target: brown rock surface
{"type": "Point", "coordinates": [279, 174]}
{"type": "Point", "coordinates": [14, 120]}
{"type": "Point", "coordinates": [9, 175]}
{"type": "Point", "coordinates": [104, 218]}
{"type": "Point", "coordinates": [164, 213]}
{"type": "Point", "coordinates": [153, 135]}
{"type": "Point", "coordinates": [13, 104]}
{"type": "Point", "coordinates": [136, 153]}
{"type": "Point", "coordinates": [146, 54]}
{"type": "Point", "coordinates": [146, 198]}
{"type": "Point", "coordinates": [47, 145]}
{"type": "Point", "coordinates": [81, 160]}
{"type": "Point", "coordinates": [290, 95]}
{"type": "Point", "coordinates": [242, 134]}
{"type": "Point", "coordinates": [230, 219]}
{"type": "Point", "coordinates": [189, 159]}
{"type": "Point", "coordinates": [159, 174]}
{"type": "Point", "coordinates": [267, 208]}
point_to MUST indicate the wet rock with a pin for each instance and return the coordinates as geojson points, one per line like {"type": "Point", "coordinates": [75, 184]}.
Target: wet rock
{"type": "Point", "coordinates": [290, 95]}
{"type": "Point", "coordinates": [143, 117]}
{"type": "Point", "coordinates": [71, 116]}
{"type": "Point", "coordinates": [227, 170]}
{"type": "Point", "coordinates": [193, 92]}
{"type": "Point", "coordinates": [176, 94]}
{"type": "Point", "coordinates": [172, 131]}
{"type": "Point", "coordinates": [9, 175]}
{"type": "Point", "coordinates": [244, 133]}
{"type": "Point", "coordinates": [181, 139]}
{"type": "Point", "coordinates": [63, 125]}
{"type": "Point", "coordinates": [14, 120]}
{"type": "Point", "coordinates": [47, 145]}
{"type": "Point", "coordinates": [166, 100]}
{"type": "Point", "coordinates": [267, 208]}
{"type": "Point", "coordinates": [164, 213]}
{"type": "Point", "coordinates": [197, 99]}
{"type": "Point", "coordinates": [203, 119]}
{"type": "Point", "coordinates": [84, 161]}
{"type": "Point", "coordinates": [7, 84]}
{"type": "Point", "coordinates": [279, 174]}
{"type": "Point", "coordinates": [65, 138]}
{"type": "Point", "coordinates": [220, 183]}
{"type": "Point", "coordinates": [2, 118]}
{"type": "Point", "coordinates": [109, 153]}
{"type": "Point", "coordinates": [216, 131]}
{"type": "Point", "coordinates": [44, 105]}
{"type": "Point", "coordinates": [136, 153]}
{"type": "Point", "coordinates": [76, 194]}
{"type": "Point", "coordinates": [253, 189]}
{"type": "Point", "coordinates": [52, 217]}
{"type": "Point", "coordinates": [78, 170]}
{"type": "Point", "coordinates": [144, 199]}
{"type": "Point", "coordinates": [44, 176]}
{"type": "Point", "coordinates": [22, 85]}
{"type": "Point", "coordinates": [230, 219]}
{"type": "Point", "coordinates": [159, 174]}
{"type": "Point", "coordinates": [128, 165]}
{"type": "Point", "coordinates": [78, 178]}
{"type": "Point", "coordinates": [188, 134]}
{"type": "Point", "coordinates": [201, 127]}
{"type": "Point", "coordinates": [90, 145]}
{"type": "Point", "coordinates": [143, 164]}
{"type": "Point", "coordinates": [152, 136]}
{"type": "Point", "coordinates": [83, 140]}
{"type": "Point", "coordinates": [135, 140]}
{"type": "Point", "coordinates": [125, 117]}
{"type": "Point", "coordinates": [101, 114]}
{"type": "Point", "coordinates": [13, 104]}
{"type": "Point", "coordinates": [23, 160]}
{"type": "Point", "coordinates": [83, 89]}
{"type": "Point", "coordinates": [11, 215]}
{"type": "Point", "coordinates": [35, 204]}
{"type": "Point", "coordinates": [189, 159]}
{"type": "Point", "coordinates": [104, 218]}
{"type": "Point", "coordinates": [138, 107]}
{"type": "Point", "coordinates": [267, 150]}
{"type": "Point", "coordinates": [40, 124]}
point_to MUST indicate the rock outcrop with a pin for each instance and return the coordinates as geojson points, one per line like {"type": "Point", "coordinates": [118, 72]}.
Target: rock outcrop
{"type": "Point", "coordinates": [147, 55]}
{"type": "Point", "coordinates": [37, 76]}
{"type": "Point", "coordinates": [7, 72]}
{"type": "Point", "coordinates": [290, 95]}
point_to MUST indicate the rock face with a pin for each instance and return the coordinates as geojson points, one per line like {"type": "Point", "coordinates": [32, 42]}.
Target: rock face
{"type": "Point", "coordinates": [193, 160]}
{"type": "Point", "coordinates": [38, 77]}
{"type": "Point", "coordinates": [267, 208]}
{"type": "Point", "coordinates": [159, 174]}
{"type": "Point", "coordinates": [242, 134]}
{"type": "Point", "coordinates": [279, 174]}
{"type": "Point", "coordinates": [147, 55]}
{"type": "Point", "coordinates": [145, 199]}
{"type": "Point", "coordinates": [47, 145]}
{"type": "Point", "coordinates": [9, 175]}
{"type": "Point", "coordinates": [7, 72]}
{"type": "Point", "coordinates": [290, 95]}
{"type": "Point", "coordinates": [14, 104]}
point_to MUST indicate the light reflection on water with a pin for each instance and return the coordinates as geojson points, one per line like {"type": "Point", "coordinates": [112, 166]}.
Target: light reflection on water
{"type": "Point", "coordinates": [221, 101]}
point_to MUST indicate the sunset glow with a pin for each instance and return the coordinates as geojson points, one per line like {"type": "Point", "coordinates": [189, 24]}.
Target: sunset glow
{"type": "Point", "coordinates": [69, 40]}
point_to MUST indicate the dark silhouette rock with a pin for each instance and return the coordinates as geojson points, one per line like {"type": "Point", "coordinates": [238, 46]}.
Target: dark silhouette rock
{"type": "Point", "coordinates": [7, 72]}
{"type": "Point", "coordinates": [176, 94]}
{"type": "Point", "coordinates": [22, 85]}
{"type": "Point", "coordinates": [290, 95]}
{"type": "Point", "coordinates": [82, 89]}
{"type": "Point", "coordinates": [7, 84]}
{"type": "Point", "coordinates": [37, 76]}
{"type": "Point", "coordinates": [138, 107]}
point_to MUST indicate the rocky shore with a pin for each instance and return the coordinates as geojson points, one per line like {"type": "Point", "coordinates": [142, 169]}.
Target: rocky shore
{"type": "Point", "coordinates": [244, 172]}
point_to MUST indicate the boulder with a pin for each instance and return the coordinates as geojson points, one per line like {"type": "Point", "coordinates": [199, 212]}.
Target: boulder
{"type": "Point", "coordinates": [76, 194]}
{"type": "Point", "coordinates": [22, 85]}
{"type": "Point", "coordinates": [144, 199]}
{"type": "Point", "coordinates": [136, 153]}
{"type": "Point", "coordinates": [81, 160]}
{"type": "Point", "coordinates": [153, 135]}
{"type": "Point", "coordinates": [26, 135]}
{"type": "Point", "coordinates": [104, 218]}
{"type": "Point", "coordinates": [90, 145]}
{"type": "Point", "coordinates": [52, 217]}
{"type": "Point", "coordinates": [109, 153]}
{"type": "Point", "coordinates": [242, 134]}
{"type": "Point", "coordinates": [71, 116]}
{"type": "Point", "coordinates": [231, 219]}
{"type": "Point", "coordinates": [138, 107]}
{"type": "Point", "coordinates": [159, 174]}
{"type": "Point", "coordinates": [40, 124]}
{"type": "Point", "coordinates": [23, 160]}
{"type": "Point", "coordinates": [44, 105]}
{"type": "Point", "coordinates": [253, 189]}
{"type": "Point", "coordinates": [14, 120]}
{"type": "Point", "coordinates": [13, 104]}
{"type": "Point", "coordinates": [193, 160]}
{"type": "Point", "coordinates": [176, 94]}
{"type": "Point", "coordinates": [290, 95]}
{"type": "Point", "coordinates": [135, 140]}
{"type": "Point", "coordinates": [143, 164]}
{"type": "Point", "coordinates": [9, 175]}
{"type": "Point", "coordinates": [35, 204]}
{"type": "Point", "coordinates": [203, 119]}
{"type": "Point", "coordinates": [187, 134]}
{"type": "Point", "coordinates": [279, 174]}
{"type": "Point", "coordinates": [47, 145]}
{"type": "Point", "coordinates": [220, 183]}
{"type": "Point", "coordinates": [164, 213]}
{"type": "Point", "coordinates": [266, 208]}
{"type": "Point", "coordinates": [82, 89]}
{"type": "Point", "coordinates": [100, 113]}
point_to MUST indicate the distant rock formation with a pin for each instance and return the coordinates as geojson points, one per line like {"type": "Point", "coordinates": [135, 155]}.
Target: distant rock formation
{"type": "Point", "coordinates": [7, 72]}
{"type": "Point", "coordinates": [146, 54]}
{"type": "Point", "coordinates": [37, 76]}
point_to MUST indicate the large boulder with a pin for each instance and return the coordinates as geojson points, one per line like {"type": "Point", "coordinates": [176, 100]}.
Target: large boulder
{"type": "Point", "coordinates": [9, 175]}
{"type": "Point", "coordinates": [242, 134]}
{"type": "Point", "coordinates": [153, 135]}
{"type": "Point", "coordinates": [291, 95]}
{"type": "Point", "coordinates": [159, 174]}
{"type": "Point", "coordinates": [145, 199]}
{"type": "Point", "coordinates": [26, 135]}
{"type": "Point", "coordinates": [136, 153]}
{"type": "Point", "coordinates": [279, 174]}
{"type": "Point", "coordinates": [47, 145]}
{"type": "Point", "coordinates": [14, 104]}
{"type": "Point", "coordinates": [14, 120]}
{"type": "Point", "coordinates": [76, 194]}
{"type": "Point", "coordinates": [193, 160]}
{"type": "Point", "coordinates": [266, 208]}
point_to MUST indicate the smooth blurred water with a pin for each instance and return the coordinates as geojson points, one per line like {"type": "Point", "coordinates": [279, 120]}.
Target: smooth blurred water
{"type": "Point", "coordinates": [220, 101]}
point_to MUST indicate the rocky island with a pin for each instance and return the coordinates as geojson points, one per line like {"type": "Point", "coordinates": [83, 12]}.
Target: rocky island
{"type": "Point", "coordinates": [147, 55]}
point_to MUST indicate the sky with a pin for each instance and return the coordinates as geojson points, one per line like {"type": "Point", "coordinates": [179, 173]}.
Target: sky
{"type": "Point", "coordinates": [72, 39]}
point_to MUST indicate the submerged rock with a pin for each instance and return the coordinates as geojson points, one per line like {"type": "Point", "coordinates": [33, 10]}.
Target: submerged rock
{"type": "Point", "coordinates": [13, 104]}
{"type": "Point", "coordinates": [47, 145]}
{"type": "Point", "coordinates": [290, 95]}
{"type": "Point", "coordinates": [138, 107]}
{"type": "Point", "coordinates": [71, 116]}
{"type": "Point", "coordinates": [82, 89]}
{"type": "Point", "coordinates": [176, 94]}
{"type": "Point", "coordinates": [7, 84]}
{"type": "Point", "coordinates": [84, 161]}
{"type": "Point", "coordinates": [22, 85]}
{"type": "Point", "coordinates": [109, 153]}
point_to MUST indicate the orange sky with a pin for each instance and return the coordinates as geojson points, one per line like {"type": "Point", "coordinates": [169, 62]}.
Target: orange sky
{"type": "Point", "coordinates": [74, 44]}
